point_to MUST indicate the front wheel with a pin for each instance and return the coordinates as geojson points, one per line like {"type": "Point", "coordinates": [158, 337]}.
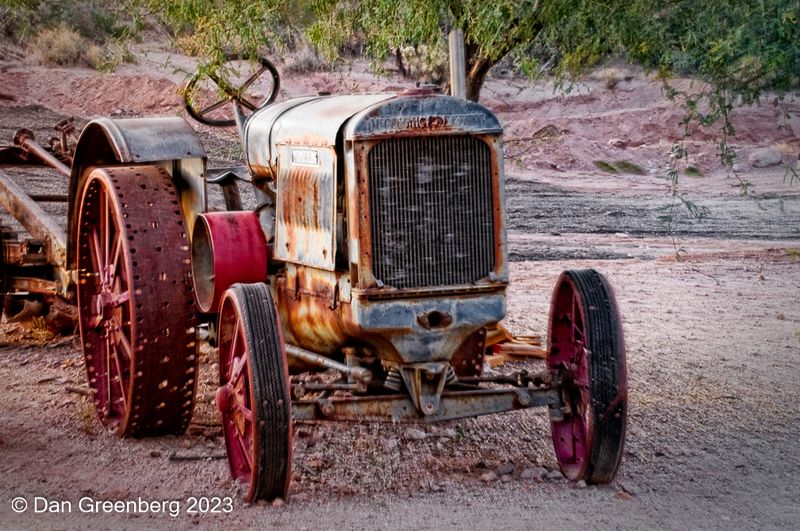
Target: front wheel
{"type": "Point", "coordinates": [253, 397]}
{"type": "Point", "coordinates": [587, 348]}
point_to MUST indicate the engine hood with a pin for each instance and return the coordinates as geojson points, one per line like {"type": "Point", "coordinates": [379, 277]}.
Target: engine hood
{"type": "Point", "coordinates": [317, 121]}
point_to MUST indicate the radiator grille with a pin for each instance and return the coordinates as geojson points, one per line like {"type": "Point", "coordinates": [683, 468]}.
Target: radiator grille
{"type": "Point", "coordinates": [431, 209]}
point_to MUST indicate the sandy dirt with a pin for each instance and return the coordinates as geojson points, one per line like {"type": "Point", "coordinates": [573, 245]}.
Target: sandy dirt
{"type": "Point", "coordinates": [713, 339]}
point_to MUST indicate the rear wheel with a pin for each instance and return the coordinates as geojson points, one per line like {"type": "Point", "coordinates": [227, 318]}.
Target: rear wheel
{"type": "Point", "coordinates": [587, 348]}
{"type": "Point", "coordinates": [135, 308]}
{"type": "Point", "coordinates": [253, 397]}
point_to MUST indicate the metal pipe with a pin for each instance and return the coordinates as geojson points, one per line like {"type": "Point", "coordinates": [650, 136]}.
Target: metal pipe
{"type": "Point", "coordinates": [458, 75]}
{"type": "Point", "coordinates": [24, 139]}
{"type": "Point", "coordinates": [359, 373]}
{"type": "Point", "coordinates": [240, 119]}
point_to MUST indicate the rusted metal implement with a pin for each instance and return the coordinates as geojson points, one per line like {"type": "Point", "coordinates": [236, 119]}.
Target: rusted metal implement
{"type": "Point", "coordinates": [377, 251]}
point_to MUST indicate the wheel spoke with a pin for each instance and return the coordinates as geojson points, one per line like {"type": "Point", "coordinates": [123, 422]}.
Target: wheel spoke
{"type": "Point", "coordinates": [253, 77]}
{"type": "Point", "coordinates": [582, 371]}
{"type": "Point", "coordinates": [94, 244]}
{"type": "Point", "coordinates": [248, 104]}
{"type": "Point", "coordinates": [245, 450]}
{"type": "Point", "coordinates": [106, 231]}
{"type": "Point", "coordinates": [107, 357]}
{"type": "Point", "coordinates": [121, 298]}
{"type": "Point", "coordinates": [115, 254]}
{"type": "Point", "coordinates": [245, 413]}
{"type": "Point", "coordinates": [577, 332]}
{"type": "Point", "coordinates": [125, 344]}
{"type": "Point", "coordinates": [236, 362]}
{"type": "Point", "coordinates": [236, 370]}
{"type": "Point", "coordinates": [213, 107]}
{"type": "Point", "coordinates": [577, 320]}
{"type": "Point", "coordinates": [120, 379]}
{"type": "Point", "coordinates": [95, 321]}
{"type": "Point", "coordinates": [222, 84]}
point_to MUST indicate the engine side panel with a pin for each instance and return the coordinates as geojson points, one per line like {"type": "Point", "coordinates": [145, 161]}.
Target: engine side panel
{"type": "Point", "coordinates": [306, 206]}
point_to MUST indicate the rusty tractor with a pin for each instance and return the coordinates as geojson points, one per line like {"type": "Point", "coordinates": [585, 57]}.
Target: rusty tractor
{"type": "Point", "coordinates": [376, 252]}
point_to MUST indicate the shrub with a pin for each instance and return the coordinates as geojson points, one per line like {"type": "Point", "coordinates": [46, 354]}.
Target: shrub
{"type": "Point", "coordinates": [605, 166]}
{"type": "Point", "coordinates": [60, 45]}
{"type": "Point", "coordinates": [627, 166]}
{"type": "Point", "coordinates": [305, 59]}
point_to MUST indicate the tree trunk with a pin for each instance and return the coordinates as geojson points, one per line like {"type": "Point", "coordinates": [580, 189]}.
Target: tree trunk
{"type": "Point", "coordinates": [478, 64]}
{"type": "Point", "coordinates": [478, 69]}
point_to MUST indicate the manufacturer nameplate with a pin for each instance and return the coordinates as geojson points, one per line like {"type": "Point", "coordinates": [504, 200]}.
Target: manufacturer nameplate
{"type": "Point", "coordinates": [305, 157]}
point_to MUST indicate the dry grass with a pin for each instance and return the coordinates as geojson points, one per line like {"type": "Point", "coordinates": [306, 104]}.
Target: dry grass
{"type": "Point", "coordinates": [63, 46]}
{"type": "Point", "coordinates": [85, 416]}
{"type": "Point", "coordinates": [304, 60]}
{"type": "Point", "coordinates": [788, 150]}
{"type": "Point", "coordinates": [611, 77]}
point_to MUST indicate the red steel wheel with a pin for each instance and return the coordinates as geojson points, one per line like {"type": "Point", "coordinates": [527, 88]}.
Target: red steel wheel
{"type": "Point", "coordinates": [587, 346]}
{"type": "Point", "coordinates": [136, 312]}
{"type": "Point", "coordinates": [253, 397]}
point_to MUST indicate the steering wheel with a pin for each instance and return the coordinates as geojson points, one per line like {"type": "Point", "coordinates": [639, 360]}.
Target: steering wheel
{"type": "Point", "coordinates": [233, 95]}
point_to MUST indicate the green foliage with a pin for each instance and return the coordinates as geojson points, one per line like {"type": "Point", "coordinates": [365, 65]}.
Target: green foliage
{"type": "Point", "coordinates": [624, 166]}
{"type": "Point", "coordinates": [492, 30]}
{"type": "Point", "coordinates": [693, 171]}
{"type": "Point", "coordinates": [214, 28]}
{"type": "Point", "coordinates": [605, 166]}
{"type": "Point", "coordinates": [741, 50]}
{"type": "Point", "coordinates": [627, 166]}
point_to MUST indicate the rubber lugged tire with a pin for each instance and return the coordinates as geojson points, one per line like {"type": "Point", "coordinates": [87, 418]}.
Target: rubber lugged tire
{"type": "Point", "coordinates": [607, 371]}
{"type": "Point", "coordinates": [270, 387]}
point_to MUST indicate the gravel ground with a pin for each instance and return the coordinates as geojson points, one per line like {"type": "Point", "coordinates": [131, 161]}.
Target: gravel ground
{"type": "Point", "coordinates": [712, 439]}
{"type": "Point", "coordinates": [713, 344]}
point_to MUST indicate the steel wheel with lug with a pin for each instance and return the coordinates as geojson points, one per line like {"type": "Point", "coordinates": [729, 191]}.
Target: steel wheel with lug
{"type": "Point", "coordinates": [253, 397]}
{"type": "Point", "coordinates": [136, 313]}
{"type": "Point", "coordinates": [587, 347]}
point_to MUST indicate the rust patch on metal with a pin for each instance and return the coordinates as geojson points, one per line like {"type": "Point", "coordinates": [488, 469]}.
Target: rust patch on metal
{"type": "Point", "coordinates": [468, 359]}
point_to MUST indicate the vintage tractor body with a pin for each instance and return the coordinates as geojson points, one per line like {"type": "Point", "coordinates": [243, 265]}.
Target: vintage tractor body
{"type": "Point", "coordinates": [377, 248]}
{"type": "Point", "coordinates": [387, 225]}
